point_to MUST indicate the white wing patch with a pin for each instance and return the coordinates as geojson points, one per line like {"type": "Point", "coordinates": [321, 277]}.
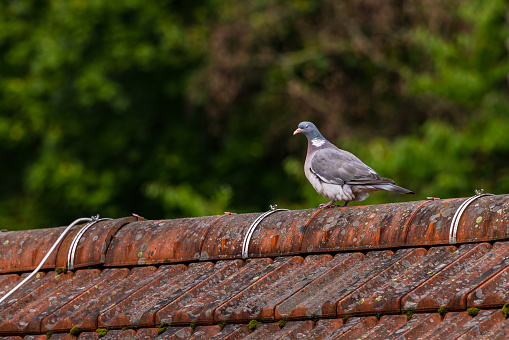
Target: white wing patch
{"type": "Point", "coordinates": [371, 170]}
{"type": "Point", "coordinates": [323, 179]}
{"type": "Point", "coordinates": [317, 141]}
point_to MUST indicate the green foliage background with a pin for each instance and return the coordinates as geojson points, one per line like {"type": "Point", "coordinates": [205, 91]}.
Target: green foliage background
{"type": "Point", "coordinates": [186, 108]}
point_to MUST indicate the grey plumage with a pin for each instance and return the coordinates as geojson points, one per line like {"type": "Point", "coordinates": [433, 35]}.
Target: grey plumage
{"type": "Point", "coordinates": [337, 174]}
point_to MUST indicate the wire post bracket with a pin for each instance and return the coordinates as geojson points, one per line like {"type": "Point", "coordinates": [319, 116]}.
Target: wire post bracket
{"type": "Point", "coordinates": [457, 216]}
{"type": "Point", "coordinates": [90, 221]}
{"type": "Point", "coordinates": [76, 239]}
{"type": "Point", "coordinates": [250, 231]}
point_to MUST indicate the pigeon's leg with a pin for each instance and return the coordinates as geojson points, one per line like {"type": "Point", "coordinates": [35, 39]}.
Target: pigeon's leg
{"type": "Point", "coordinates": [326, 205]}
{"type": "Point", "coordinates": [344, 204]}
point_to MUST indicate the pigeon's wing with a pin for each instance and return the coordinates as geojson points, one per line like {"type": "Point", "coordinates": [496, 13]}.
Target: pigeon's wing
{"type": "Point", "coordinates": [337, 166]}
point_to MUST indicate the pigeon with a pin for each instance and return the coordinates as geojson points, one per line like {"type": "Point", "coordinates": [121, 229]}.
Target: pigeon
{"type": "Point", "coordinates": [339, 175]}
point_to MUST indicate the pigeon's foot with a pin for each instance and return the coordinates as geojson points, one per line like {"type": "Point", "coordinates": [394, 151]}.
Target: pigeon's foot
{"type": "Point", "coordinates": [344, 204]}
{"type": "Point", "coordinates": [326, 205]}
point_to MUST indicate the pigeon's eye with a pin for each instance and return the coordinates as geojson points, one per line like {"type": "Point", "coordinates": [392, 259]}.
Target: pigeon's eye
{"type": "Point", "coordinates": [307, 126]}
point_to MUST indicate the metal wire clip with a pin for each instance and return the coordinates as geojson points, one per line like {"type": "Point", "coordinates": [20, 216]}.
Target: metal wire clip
{"type": "Point", "coordinates": [457, 216]}
{"type": "Point", "coordinates": [250, 231]}
{"type": "Point", "coordinates": [91, 220]}
{"type": "Point", "coordinates": [76, 239]}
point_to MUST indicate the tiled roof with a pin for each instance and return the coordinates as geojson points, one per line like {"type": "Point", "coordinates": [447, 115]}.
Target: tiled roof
{"type": "Point", "coordinates": [364, 272]}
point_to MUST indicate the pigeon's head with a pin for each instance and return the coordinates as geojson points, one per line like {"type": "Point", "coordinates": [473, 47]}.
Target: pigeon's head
{"type": "Point", "coordinates": [309, 130]}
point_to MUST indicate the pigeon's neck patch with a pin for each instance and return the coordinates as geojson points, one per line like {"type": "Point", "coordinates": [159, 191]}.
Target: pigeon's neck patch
{"type": "Point", "coordinates": [317, 141]}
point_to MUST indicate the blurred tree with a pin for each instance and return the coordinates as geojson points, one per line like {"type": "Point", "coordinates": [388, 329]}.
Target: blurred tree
{"type": "Point", "coordinates": [174, 109]}
{"type": "Point", "coordinates": [464, 74]}
{"type": "Point", "coordinates": [94, 116]}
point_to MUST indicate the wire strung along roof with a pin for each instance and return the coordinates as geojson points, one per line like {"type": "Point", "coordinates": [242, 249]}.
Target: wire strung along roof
{"type": "Point", "coordinates": [392, 271]}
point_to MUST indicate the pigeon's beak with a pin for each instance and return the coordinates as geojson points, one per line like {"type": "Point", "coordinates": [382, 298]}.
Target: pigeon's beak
{"type": "Point", "coordinates": [296, 131]}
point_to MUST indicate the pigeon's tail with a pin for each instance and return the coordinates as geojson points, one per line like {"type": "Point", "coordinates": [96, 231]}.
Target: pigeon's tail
{"type": "Point", "coordinates": [393, 188]}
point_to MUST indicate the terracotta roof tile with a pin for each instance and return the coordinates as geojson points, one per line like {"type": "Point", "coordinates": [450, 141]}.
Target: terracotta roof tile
{"type": "Point", "coordinates": [145, 334]}
{"type": "Point", "coordinates": [384, 292]}
{"type": "Point", "coordinates": [452, 323]}
{"type": "Point", "coordinates": [489, 324]}
{"type": "Point", "coordinates": [232, 332]}
{"type": "Point", "coordinates": [60, 290]}
{"type": "Point", "coordinates": [201, 308]}
{"type": "Point", "coordinates": [342, 273]}
{"type": "Point", "coordinates": [354, 328]}
{"type": "Point", "coordinates": [23, 301]}
{"type": "Point", "coordinates": [320, 297]}
{"type": "Point", "coordinates": [24, 250]}
{"type": "Point", "coordinates": [281, 233]}
{"type": "Point", "coordinates": [8, 281]}
{"type": "Point", "coordinates": [293, 330]}
{"type": "Point", "coordinates": [205, 332]}
{"type": "Point", "coordinates": [259, 299]}
{"type": "Point", "coordinates": [119, 334]}
{"type": "Point", "coordinates": [141, 243]}
{"type": "Point", "coordinates": [418, 326]}
{"type": "Point", "coordinates": [35, 286]}
{"type": "Point", "coordinates": [87, 336]}
{"type": "Point", "coordinates": [323, 328]}
{"type": "Point", "coordinates": [36, 337]}
{"type": "Point", "coordinates": [136, 309]}
{"type": "Point", "coordinates": [78, 311]}
{"type": "Point", "coordinates": [359, 227]}
{"type": "Point", "coordinates": [85, 309]}
{"type": "Point", "coordinates": [263, 331]}
{"type": "Point", "coordinates": [62, 336]}
{"type": "Point", "coordinates": [450, 287]}
{"type": "Point", "coordinates": [92, 246]}
{"type": "Point", "coordinates": [380, 293]}
{"type": "Point", "coordinates": [387, 325]}
{"type": "Point", "coordinates": [492, 293]}
{"type": "Point", "coordinates": [176, 333]}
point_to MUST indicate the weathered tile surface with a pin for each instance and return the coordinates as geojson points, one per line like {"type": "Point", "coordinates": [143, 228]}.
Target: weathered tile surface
{"type": "Point", "coordinates": [202, 302]}
{"type": "Point", "coordinates": [293, 330]}
{"type": "Point", "coordinates": [24, 302]}
{"type": "Point", "coordinates": [387, 325]}
{"type": "Point", "coordinates": [59, 291]}
{"type": "Point", "coordinates": [354, 328]}
{"type": "Point", "coordinates": [92, 246]}
{"type": "Point", "coordinates": [322, 329]}
{"type": "Point", "coordinates": [176, 333]}
{"type": "Point", "coordinates": [383, 293]}
{"type": "Point", "coordinates": [280, 233]}
{"type": "Point", "coordinates": [23, 250]}
{"type": "Point", "coordinates": [36, 337]}
{"type": "Point", "coordinates": [320, 297]}
{"type": "Point", "coordinates": [118, 334]}
{"type": "Point", "coordinates": [138, 308]}
{"type": "Point", "coordinates": [82, 311]}
{"type": "Point", "coordinates": [358, 227]}
{"type": "Point", "coordinates": [329, 283]}
{"type": "Point", "coordinates": [492, 293]}
{"type": "Point", "coordinates": [448, 287]}
{"type": "Point", "coordinates": [417, 326]}
{"type": "Point", "coordinates": [153, 242]}
{"type": "Point", "coordinates": [146, 334]}
{"type": "Point", "coordinates": [492, 325]}
{"type": "Point", "coordinates": [27, 293]}
{"type": "Point", "coordinates": [259, 299]}
{"type": "Point", "coordinates": [487, 218]}
{"type": "Point", "coordinates": [225, 238]}
{"type": "Point", "coordinates": [263, 331]}
{"type": "Point", "coordinates": [205, 332]}
{"type": "Point", "coordinates": [89, 336]}
{"type": "Point", "coordinates": [232, 332]}
{"type": "Point", "coordinates": [375, 294]}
